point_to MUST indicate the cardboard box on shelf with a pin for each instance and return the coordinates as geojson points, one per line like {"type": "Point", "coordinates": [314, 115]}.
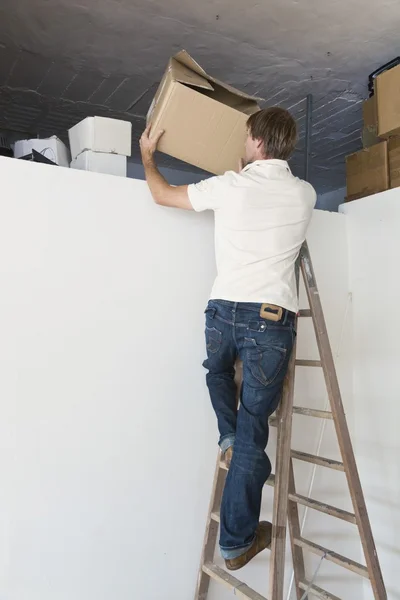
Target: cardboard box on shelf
{"type": "Point", "coordinates": [204, 119]}
{"type": "Point", "coordinates": [100, 162]}
{"type": "Point", "coordinates": [370, 118]}
{"type": "Point", "coordinates": [101, 134]}
{"type": "Point", "coordinates": [387, 89]}
{"type": "Point", "coordinates": [394, 161]}
{"type": "Point", "coordinates": [52, 148]}
{"type": "Point", "coordinates": [367, 171]}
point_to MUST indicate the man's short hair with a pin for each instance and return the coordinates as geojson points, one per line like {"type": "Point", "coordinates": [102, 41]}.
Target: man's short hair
{"type": "Point", "coordinates": [276, 128]}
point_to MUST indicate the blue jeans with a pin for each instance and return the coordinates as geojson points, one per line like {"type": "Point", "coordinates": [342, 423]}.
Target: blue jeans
{"type": "Point", "coordinates": [235, 329]}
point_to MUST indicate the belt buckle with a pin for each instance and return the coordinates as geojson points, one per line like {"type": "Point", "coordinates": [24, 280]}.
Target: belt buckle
{"type": "Point", "coordinates": [271, 312]}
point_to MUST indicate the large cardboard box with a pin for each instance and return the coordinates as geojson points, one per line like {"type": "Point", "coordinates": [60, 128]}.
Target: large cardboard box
{"type": "Point", "coordinates": [387, 86]}
{"type": "Point", "coordinates": [370, 118]}
{"type": "Point", "coordinates": [52, 148]}
{"type": "Point", "coordinates": [204, 119]}
{"type": "Point", "coordinates": [367, 171]}
{"type": "Point", "coordinates": [394, 161]}
{"type": "Point", "coordinates": [100, 162]}
{"type": "Point", "coordinates": [101, 134]}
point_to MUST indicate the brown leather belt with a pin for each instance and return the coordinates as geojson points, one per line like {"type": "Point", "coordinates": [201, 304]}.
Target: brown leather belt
{"type": "Point", "coordinates": [271, 312]}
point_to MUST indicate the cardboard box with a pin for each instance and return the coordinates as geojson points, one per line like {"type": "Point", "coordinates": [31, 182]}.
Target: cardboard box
{"type": "Point", "coordinates": [101, 134]}
{"type": "Point", "coordinates": [100, 162]}
{"type": "Point", "coordinates": [394, 161]}
{"type": "Point", "coordinates": [370, 118]}
{"type": "Point", "coordinates": [387, 86]}
{"type": "Point", "coordinates": [204, 119]}
{"type": "Point", "coordinates": [367, 172]}
{"type": "Point", "coordinates": [52, 148]}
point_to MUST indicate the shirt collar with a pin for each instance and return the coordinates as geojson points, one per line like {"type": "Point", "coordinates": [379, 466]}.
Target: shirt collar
{"type": "Point", "coordinates": [270, 162]}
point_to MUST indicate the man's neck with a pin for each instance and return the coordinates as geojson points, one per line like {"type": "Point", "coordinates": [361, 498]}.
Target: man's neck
{"type": "Point", "coordinates": [258, 158]}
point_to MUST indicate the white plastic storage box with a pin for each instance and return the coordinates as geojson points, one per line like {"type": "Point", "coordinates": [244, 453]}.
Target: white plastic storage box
{"type": "Point", "coordinates": [101, 134]}
{"type": "Point", "coordinates": [52, 148]}
{"type": "Point", "coordinates": [101, 162]}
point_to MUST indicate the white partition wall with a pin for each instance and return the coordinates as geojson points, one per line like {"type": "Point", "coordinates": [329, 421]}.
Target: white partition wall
{"type": "Point", "coordinates": [373, 226]}
{"type": "Point", "coordinates": [107, 439]}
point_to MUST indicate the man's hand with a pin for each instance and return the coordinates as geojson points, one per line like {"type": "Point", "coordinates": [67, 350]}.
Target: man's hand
{"type": "Point", "coordinates": [148, 144]}
{"type": "Point", "coordinates": [162, 192]}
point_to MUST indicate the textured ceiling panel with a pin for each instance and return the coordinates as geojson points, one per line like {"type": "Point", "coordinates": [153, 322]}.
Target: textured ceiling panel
{"type": "Point", "coordinates": [63, 60]}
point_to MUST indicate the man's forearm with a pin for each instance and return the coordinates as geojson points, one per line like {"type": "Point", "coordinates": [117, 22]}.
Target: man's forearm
{"type": "Point", "coordinates": [162, 192]}
{"type": "Point", "coordinates": [158, 185]}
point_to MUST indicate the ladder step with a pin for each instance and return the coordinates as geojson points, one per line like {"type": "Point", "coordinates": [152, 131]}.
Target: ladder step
{"type": "Point", "coordinates": [318, 460]}
{"type": "Point", "coordinates": [308, 412]}
{"type": "Point", "coordinates": [273, 421]}
{"type": "Point", "coordinates": [310, 458]}
{"type": "Point", "coordinates": [338, 559]}
{"type": "Point", "coordinates": [271, 480]}
{"type": "Point", "coordinates": [311, 412]}
{"type": "Point", "coordinates": [315, 504]}
{"type": "Point", "coordinates": [324, 508]}
{"type": "Point", "coordinates": [215, 516]}
{"type": "Point", "coordinates": [308, 363]}
{"type": "Point", "coordinates": [317, 591]}
{"type": "Point", "coordinates": [240, 589]}
{"type": "Point", "coordinates": [304, 312]}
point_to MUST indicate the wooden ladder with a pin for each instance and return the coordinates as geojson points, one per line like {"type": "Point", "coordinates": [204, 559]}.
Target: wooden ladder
{"type": "Point", "coordinates": [286, 500]}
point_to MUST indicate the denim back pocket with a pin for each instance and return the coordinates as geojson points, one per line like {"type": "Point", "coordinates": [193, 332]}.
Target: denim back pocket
{"type": "Point", "coordinates": [264, 362]}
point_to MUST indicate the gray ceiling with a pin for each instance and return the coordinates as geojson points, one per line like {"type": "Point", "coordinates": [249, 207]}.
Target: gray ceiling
{"type": "Point", "coordinates": [62, 60]}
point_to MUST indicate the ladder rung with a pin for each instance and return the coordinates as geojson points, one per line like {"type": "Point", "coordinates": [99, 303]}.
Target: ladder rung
{"type": "Point", "coordinates": [338, 559]}
{"type": "Point", "coordinates": [271, 480]}
{"type": "Point", "coordinates": [311, 503]}
{"type": "Point", "coordinates": [304, 312]}
{"type": "Point", "coordinates": [310, 458]}
{"type": "Point", "coordinates": [324, 508]}
{"type": "Point", "coordinates": [317, 591]}
{"type": "Point", "coordinates": [241, 589]}
{"type": "Point", "coordinates": [311, 412]}
{"type": "Point", "coordinates": [321, 506]}
{"type": "Point", "coordinates": [318, 460]}
{"type": "Point", "coordinates": [308, 412]}
{"type": "Point", "coordinates": [308, 363]}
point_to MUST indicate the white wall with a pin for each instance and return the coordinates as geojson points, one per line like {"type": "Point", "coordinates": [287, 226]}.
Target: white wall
{"type": "Point", "coordinates": [107, 439]}
{"type": "Point", "coordinates": [107, 436]}
{"type": "Point", "coordinates": [374, 244]}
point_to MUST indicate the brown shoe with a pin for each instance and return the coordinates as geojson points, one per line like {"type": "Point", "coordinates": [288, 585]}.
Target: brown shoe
{"type": "Point", "coordinates": [261, 542]}
{"type": "Point", "coordinates": [228, 456]}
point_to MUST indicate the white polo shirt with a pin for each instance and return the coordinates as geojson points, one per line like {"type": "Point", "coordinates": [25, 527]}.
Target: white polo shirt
{"type": "Point", "coordinates": [261, 219]}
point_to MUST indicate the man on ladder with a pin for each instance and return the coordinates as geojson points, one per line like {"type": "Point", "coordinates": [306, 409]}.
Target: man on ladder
{"type": "Point", "coordinates": [261, 218]}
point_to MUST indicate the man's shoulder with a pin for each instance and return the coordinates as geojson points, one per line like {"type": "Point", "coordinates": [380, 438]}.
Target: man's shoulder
{"type": "Point", "coordinates": [305, 190]}
{"type": "Point", "coordinates": [226, 178]}
{"type": "Point", "coordinates": [230, 177]}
